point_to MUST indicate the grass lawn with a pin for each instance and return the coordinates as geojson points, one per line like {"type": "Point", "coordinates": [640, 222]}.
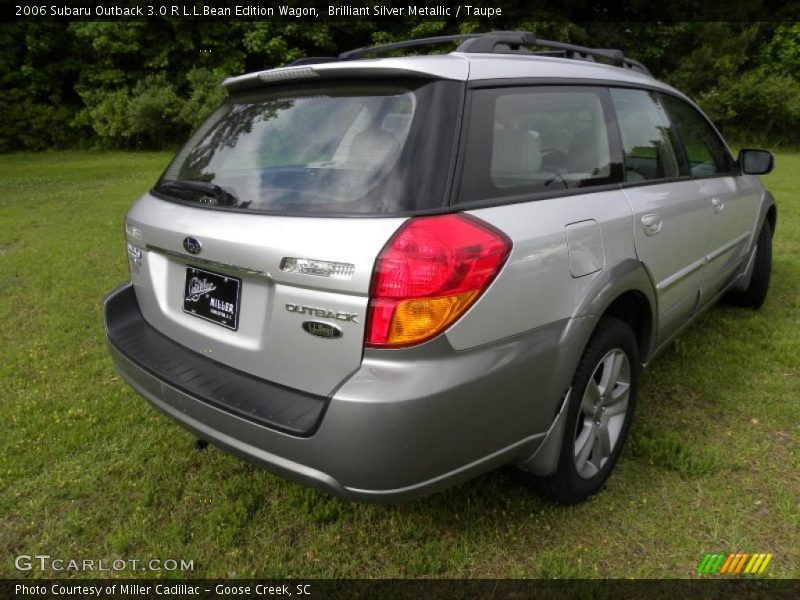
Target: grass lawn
{"type": "Point", "coordinates": [89, 470]}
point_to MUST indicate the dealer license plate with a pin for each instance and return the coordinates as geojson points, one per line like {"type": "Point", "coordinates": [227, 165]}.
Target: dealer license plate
{"type": "Point", "coordinates": [212, 296]}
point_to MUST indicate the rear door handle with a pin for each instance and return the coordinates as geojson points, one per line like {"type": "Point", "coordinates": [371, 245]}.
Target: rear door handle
{"type": "Point", "coordinates": [651, 224]}
{"type": "Point", "coordinates": [717, 205]}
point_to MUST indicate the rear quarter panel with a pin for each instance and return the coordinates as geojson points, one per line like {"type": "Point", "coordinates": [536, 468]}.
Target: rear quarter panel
{"type": "Point", "coordinates": [536, 286]}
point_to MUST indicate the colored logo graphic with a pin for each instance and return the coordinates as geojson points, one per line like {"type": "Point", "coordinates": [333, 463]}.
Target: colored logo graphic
{"type": "Point", "coordinates": [734, 564]}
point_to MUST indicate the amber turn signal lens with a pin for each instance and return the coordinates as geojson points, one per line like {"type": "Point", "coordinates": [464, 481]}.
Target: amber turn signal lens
{"type": "Point", "coordinates": [417, 320]}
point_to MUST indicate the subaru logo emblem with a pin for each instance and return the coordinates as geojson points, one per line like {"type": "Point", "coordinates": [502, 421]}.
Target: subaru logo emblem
{"type": "Point", "coordinates": [192, 245]}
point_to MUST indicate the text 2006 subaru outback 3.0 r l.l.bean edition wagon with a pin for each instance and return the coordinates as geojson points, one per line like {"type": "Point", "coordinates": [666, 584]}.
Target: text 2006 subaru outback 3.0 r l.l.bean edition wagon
{"type": "Point", "coordinates": [380, 277]}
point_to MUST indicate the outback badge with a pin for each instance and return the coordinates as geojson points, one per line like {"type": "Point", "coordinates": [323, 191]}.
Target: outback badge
{"type": "Point", "coordinates": [192, 246]}
{"type": "Point", "coordinates": [323, 330]}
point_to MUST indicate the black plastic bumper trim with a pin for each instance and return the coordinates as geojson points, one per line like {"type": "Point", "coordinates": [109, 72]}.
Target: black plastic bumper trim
{"type": "Point", "coordinates": [270, 404]}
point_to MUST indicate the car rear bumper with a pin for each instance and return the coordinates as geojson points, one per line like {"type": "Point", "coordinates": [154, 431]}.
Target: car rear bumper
{"type": "Point", "coordinates": [406, 423]}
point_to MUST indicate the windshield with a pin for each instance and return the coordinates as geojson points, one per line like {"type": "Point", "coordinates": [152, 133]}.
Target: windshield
{"type": "Point", "coordinates": [337, 148]}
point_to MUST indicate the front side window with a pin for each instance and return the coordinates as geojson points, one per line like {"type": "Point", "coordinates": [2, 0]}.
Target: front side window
{"type": "Point", "coordinates": [649, 140]}
{"type": "Point", "coordinates": [706, 153]}
{"type": "Point", "coordinates": [535, 140]}
{"type": "Point", "coordinates": [322, 148]}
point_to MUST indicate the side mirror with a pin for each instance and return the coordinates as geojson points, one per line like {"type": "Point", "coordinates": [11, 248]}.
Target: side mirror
{"type": "Point", "coordinates": [755, 162]}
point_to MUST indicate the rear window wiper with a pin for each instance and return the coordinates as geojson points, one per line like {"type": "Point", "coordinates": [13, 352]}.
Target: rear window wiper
{"type": "Point", "coordinates": [209, 193]}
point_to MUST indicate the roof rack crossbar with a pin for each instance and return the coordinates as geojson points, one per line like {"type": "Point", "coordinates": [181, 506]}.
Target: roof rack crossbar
{"type": "Point", "coordinates": [514, 40]}
{"type": "Point", "coordinates": [487, 42]}
{"type": "Point", "coordinates": [312, 60]}
{"type": "Point", "coordinates": [440, 39]}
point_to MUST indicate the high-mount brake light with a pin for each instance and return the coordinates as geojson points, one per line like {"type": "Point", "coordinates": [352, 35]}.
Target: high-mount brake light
{"type": "Point", "coordinates": [427, 276]}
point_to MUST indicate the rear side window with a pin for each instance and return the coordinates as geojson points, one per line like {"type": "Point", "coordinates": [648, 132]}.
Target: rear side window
{"type": "Point", "coordinates": [649, 140]}
{"type": "Point", "coordinates": [536, 139]}
{"type": "Point", "coordinates": [706, 153]}
{"type": "Point", "coordinates": [330, 148]}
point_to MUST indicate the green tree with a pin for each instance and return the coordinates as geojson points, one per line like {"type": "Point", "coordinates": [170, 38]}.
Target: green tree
{"type": "Point", "coordinates": [148, 83]}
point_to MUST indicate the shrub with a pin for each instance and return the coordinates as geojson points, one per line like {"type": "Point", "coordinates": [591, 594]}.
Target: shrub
{"type": "Point", "coordinates": [33, 125]}
{"type": "Point", "coordinates": [142, 117]}
{"type": "Point", "coordinates": [206, 93]}
{"type": "Point", "coordinates": [759, 105]}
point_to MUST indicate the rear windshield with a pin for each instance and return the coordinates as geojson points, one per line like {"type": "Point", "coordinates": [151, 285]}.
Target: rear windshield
{"type": "Point", "coordinates": [322, 149]}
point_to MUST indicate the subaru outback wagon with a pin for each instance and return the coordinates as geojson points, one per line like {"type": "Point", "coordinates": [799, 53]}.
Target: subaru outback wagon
{"type": "Point", "coordinates": [383, 276]}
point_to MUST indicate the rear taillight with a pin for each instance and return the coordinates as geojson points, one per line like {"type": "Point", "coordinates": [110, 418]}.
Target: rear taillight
{"type": "Point", "coordinates": [428, 274]}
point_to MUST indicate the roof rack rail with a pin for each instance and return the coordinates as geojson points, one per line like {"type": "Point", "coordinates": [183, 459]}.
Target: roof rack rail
{"type": "Point", "coordinates": [501, 41]}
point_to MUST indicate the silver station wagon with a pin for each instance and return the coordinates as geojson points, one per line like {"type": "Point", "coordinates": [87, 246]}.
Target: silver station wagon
{"type": "Point", "coordinates": [382, 276]}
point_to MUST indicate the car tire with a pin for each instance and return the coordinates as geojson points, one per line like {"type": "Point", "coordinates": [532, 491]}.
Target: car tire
{"type": "Point", "coordinates": [756, 293]}
{"type": "Point", "coordinates": [599, 413]}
